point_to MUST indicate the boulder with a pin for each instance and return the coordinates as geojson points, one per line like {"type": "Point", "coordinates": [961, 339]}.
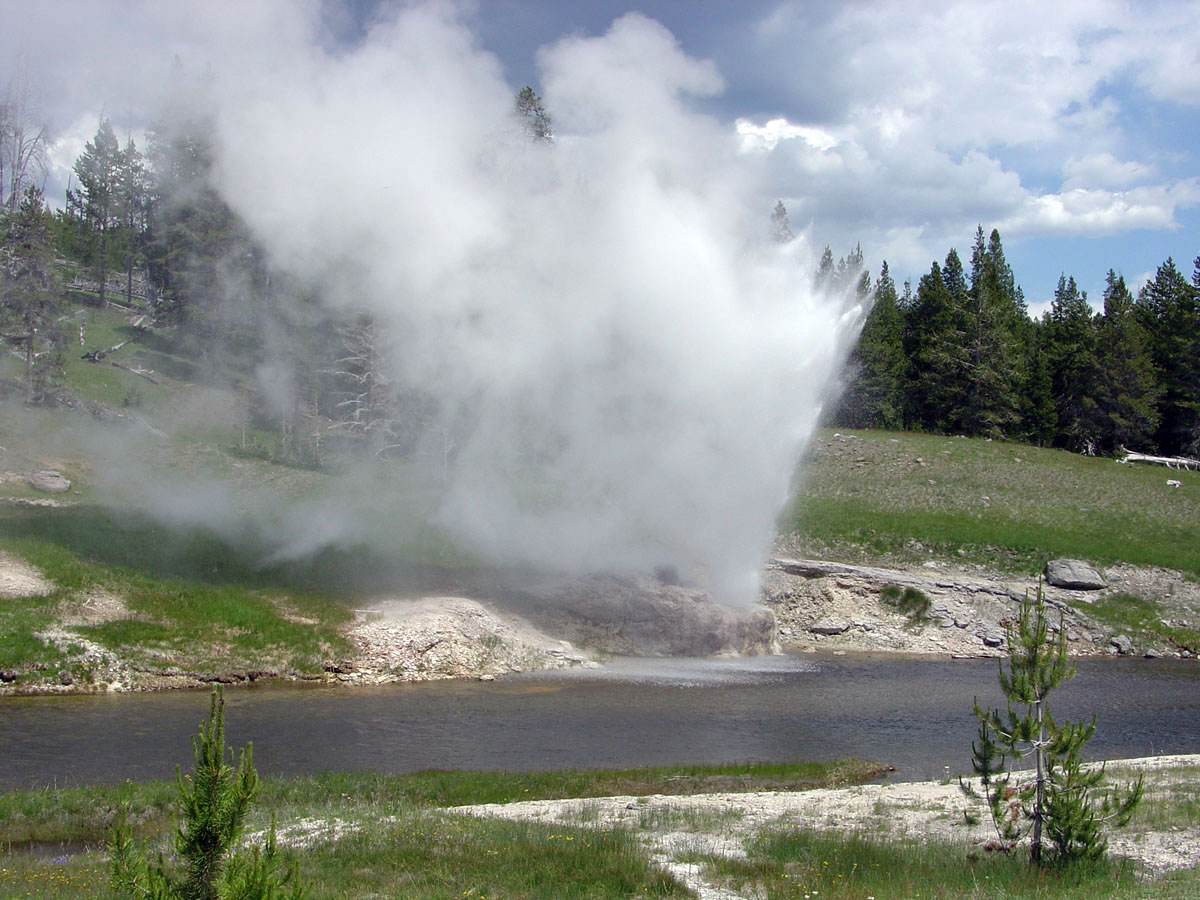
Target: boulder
{"type": "Point", "coordinates": [992, 637]}
{"type": "Point", "coordinates": [1123, 644]}
{"type": "Point", "coordinates": [49, 481]}
{"type": "Point", "coordinates": [1074, 575]}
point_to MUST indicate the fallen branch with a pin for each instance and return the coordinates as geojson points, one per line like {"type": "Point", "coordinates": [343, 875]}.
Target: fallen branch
{"type": "Point", "coordinates": [141, 373]}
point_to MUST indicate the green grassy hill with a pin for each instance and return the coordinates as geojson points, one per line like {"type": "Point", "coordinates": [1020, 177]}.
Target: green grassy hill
{"type": "Point", "coordinates": [894, 496]}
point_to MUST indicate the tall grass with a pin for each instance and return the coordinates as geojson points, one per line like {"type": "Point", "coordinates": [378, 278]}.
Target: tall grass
{"type": "Point", "coordinates": [808, 865]}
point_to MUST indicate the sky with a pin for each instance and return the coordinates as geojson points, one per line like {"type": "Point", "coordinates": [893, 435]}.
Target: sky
{"type": "Point", "coordinates": [902, 126]}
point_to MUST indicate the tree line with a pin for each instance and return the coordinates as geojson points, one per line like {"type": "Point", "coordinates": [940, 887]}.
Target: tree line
{"type": "Point", "coordinates": [961, 355]}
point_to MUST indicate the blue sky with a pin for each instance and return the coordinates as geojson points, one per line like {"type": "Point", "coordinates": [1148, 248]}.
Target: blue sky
{"type": "Point", "coordinates": [900, 125]}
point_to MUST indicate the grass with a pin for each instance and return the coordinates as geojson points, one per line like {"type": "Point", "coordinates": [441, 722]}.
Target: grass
{"type": "Point", "coordinates": [193, 600]}
{"type": "Point", "coordinates": [875, 495]}
{"type": "Point", "coordinates": [808, 865]}
{"type": "Point", "coordinates": [397, 844]}
{"type": "Point", "coordinates": [910, 601]}
{"type": "Point", "coordinates": [1142, 617]}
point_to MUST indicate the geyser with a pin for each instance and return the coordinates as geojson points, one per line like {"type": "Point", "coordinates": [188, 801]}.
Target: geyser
{"type": "Point", "coordinates": [622, 366]}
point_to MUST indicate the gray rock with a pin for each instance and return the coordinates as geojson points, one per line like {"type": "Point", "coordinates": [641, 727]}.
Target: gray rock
{"type": "Point", "coordinates": [1123, 644]}
{"type": "Point", "coordinates": [992, 637]}
{"type": "Point", "coordinates": [49, 481]}
{"type": "Point", "coordinates": [831, 627]}
{"type": "Point", "coordinates": [1074, 575]}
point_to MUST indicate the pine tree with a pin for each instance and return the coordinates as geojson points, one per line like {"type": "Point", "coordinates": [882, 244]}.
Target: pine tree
{"type": "Point", "coordinates": [1038, 419]}
{"type": "Point", "coordinates": [29, 298]}
{"type": "Point", "coordinates": [874, 396]}
{"type": "Point", "coordinates": [1169, 308]}
{"type": "Point", "coordinates": [534, 119]}
{"type": "Point", "coordinates": [133, 205]}
{"type": "Point", "coordinates": [214, 801]}
{"type": "Point", "coordinates": [781, 229]}
{"type": "Point", "coordinates": [825, 270]}
{"type": "Point", "coordinates": [993, 317]}
{"type": "Point", "coordinates": [1064, 804]}
{"type": "Point", "coordinates": [97, 203]}
{"type": "Point", "coordinates": [1127, 390]}
{"type": "Point", "coordinates": [1071, 352]}
{"type": "Point", "coordinates": [932, 344]}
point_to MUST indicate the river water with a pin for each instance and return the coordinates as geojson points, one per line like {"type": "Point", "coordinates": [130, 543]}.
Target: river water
{"type": "Point", "coordinates": [914, 714]}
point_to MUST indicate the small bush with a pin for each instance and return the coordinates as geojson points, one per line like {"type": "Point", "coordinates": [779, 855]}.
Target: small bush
{"type": "Point", "coordinates": [910, 601]}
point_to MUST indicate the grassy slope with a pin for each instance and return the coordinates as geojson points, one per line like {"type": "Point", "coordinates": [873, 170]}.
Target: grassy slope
{"type": "Point", "coordinates": [879, 494]}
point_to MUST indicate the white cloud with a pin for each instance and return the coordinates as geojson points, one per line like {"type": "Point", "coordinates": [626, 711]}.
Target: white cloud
{"type": "Point", "coordinates": [943, 115]}
{"type": "Point", "coordinates": [1101, 212]}
{"type": "Point", "coordinates": [767, 137]}
{"type": "Point", "coordinates": [1103, 170]}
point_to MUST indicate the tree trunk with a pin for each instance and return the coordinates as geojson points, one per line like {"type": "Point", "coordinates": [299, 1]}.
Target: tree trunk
{"type": "Point", "coordinates": [1039, 800]}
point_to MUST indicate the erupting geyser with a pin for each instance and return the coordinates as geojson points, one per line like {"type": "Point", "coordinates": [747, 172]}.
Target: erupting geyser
{"type": "Point", "coordinates": [622, 366]}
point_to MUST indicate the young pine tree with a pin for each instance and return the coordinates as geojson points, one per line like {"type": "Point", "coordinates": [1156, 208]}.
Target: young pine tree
{"type": "Point", "coordinates": [214, 801]}
{"type": "Point", "coordinates": [1061, 802]}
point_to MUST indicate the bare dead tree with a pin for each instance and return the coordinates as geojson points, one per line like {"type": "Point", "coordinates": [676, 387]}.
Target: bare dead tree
{"type": "Point", "coordinates": [23, 142]}
{"type": "Point", "coordinates": [366, 399]}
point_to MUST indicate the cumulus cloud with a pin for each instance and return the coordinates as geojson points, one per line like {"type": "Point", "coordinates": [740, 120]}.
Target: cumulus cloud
{"type": "Point", "coordinates": [1102, 212]}
{"type": "Point", "coordinates": [938, 116]}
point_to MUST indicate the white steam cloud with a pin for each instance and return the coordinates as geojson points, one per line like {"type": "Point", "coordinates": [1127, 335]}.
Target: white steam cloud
{"type": "Point", "coordinates": [625, 365]}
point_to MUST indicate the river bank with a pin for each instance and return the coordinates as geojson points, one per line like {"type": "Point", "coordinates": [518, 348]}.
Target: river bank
{"type": "Point", "coordinates": [494, 630]}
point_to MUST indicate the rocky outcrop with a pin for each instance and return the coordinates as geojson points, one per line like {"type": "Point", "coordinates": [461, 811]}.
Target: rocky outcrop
{"type": "Point", "coordinates": [830, 606]}
{"type": "Point", "coordinates": [432, 638]}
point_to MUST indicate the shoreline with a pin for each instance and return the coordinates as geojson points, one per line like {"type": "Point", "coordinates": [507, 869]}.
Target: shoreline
{"type": "Point", "coordinates": [806, 606]}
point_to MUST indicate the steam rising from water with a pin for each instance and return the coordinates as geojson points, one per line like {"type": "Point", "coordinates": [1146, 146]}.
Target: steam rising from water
{"type": "Point", "coordinates": [625, 367]}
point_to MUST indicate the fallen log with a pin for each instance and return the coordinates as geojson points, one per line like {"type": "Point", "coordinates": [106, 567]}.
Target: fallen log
{"type": "Point", "coordinates": [1171, 462]}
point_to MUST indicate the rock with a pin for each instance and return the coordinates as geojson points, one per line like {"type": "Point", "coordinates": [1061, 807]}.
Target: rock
{"type": "Point", "coordinates": [992, 637]}
{"type": "Point", "coordinates": [1073, 574]}
{"type": "Point", "coordinates": [829, 628]}
{"type": "Point", "coordinates": [1123, 644]}
{"type": "Point", "coordinates": [49, 481]}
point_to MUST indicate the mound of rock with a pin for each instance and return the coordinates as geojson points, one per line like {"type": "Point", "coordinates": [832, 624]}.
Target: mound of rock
{"type": "Point", "coordinates": [446, 637]}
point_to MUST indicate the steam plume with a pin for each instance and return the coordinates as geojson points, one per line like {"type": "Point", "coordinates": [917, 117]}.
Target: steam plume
{"type": "Point", "coordinates": [625, 367]}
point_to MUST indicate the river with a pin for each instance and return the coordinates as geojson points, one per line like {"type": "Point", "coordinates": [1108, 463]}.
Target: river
{"type": "Point", "coordinates": [912, 713]}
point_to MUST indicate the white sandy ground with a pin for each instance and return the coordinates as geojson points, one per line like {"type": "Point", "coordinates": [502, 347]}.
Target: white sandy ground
{"type": "Point", "coordinates": [672, 826]}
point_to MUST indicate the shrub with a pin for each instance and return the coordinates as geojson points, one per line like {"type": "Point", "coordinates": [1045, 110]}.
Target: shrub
{"type": "Point", "coordinates": [214, 800]}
